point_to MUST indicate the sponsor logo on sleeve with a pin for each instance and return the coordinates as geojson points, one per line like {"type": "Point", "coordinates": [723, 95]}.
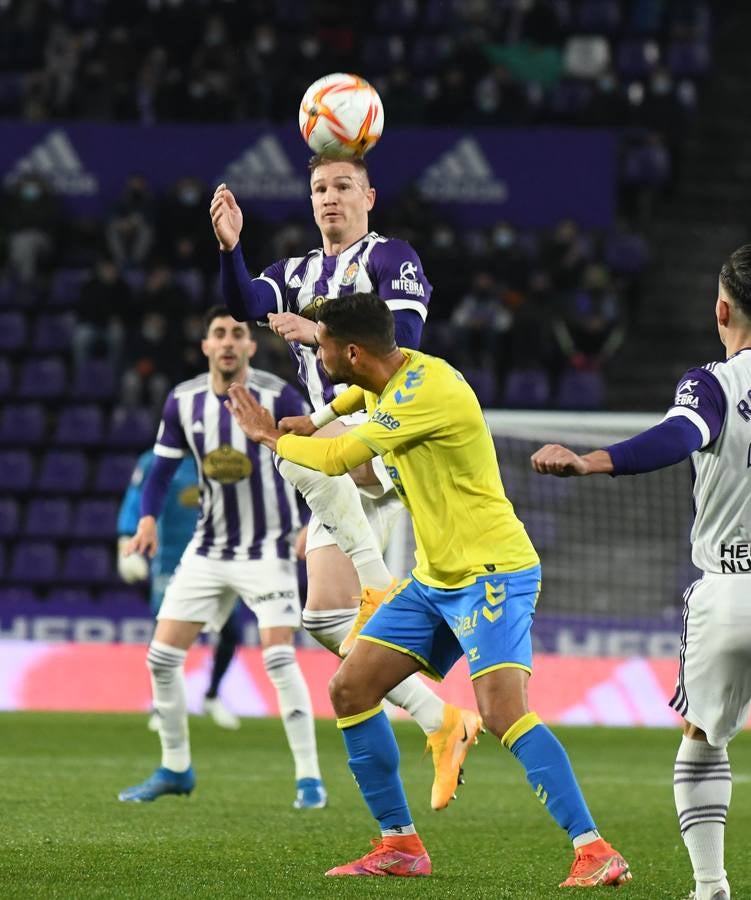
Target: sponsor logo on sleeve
{"type": "Point", "coordinates": [407, 282]}
{"type": "Point", "coordinates": [685, 396]}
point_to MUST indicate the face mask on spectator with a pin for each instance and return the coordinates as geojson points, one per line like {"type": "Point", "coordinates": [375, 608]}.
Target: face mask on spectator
{"type": "Point", "coordinates": [189, 196]}
{"type": "Point", "coordinates": [30, 190]}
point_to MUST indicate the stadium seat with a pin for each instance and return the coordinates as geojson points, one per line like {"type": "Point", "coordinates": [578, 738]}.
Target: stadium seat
{"type": "Point", "coordinates": [67, 596]}
{"type": "Point", "coordinates": [568, 99]}
{"type": "Point", "coordinates": [95, 380]}
{"type": "Point", "coordinates": [52, 332]}
{"type": "Point", "coordinates": [647, 163]}
{"type": "Point", "coordinates": [63, 471]}
{"type": "Point", "coordinates": [43, 379]}
{"type": "Point", "coordinates": [688, 59]}
{"type": "Point", "coordinates": [16, 470]}
{"type": "Point", "coordinates": [483, 383]}
{"type": "Point", "coordinates": [526, 389]}
{"type": "Point", "coordinates": [13, 331]}
{"type": "Point", "coordinates": [79, 426]}
{"type": "Point", "coordinates": [34, 562]}
{"type": "Point", "coordinates": [637, 58]}
{"type": "Point", "coordinates": [47, 518]}
{"type": "Point", "coordinates": [113, 472]}
{"type": "Point", "coordinates": [87, 564]}
{"type": "Point", "coordinates": [95, 519]}
{"type": "Point", "coordinates": [23, 426]}
{"type": "Point", "coordinates": [395, 15]}
{"type": "Point", "coordinates": [65, 289]}
{"type": "Point", "coordinates": [15, 595]}
{"type": "Point", "coordinates": [191, 281]}
{"type": "Point", "coordinates": [626, 254]}
{"type": "Point", "coordinates": [132, 428]}
{"type": "Point", "coordinates": [9, 517]}
{"type": "Point", "coordinates": [598, 16]}
{"type": "Point", "coordinates": [6, 377]}
{"type": "Point", "coordinates": [580, 390]}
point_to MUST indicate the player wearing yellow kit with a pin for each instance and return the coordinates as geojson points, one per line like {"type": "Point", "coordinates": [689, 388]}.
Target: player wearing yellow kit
{"type": "Point", "coordinates": [472, 592]}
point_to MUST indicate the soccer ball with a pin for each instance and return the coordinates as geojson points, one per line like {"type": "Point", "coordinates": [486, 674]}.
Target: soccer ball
{"type": "Point", "coordinates": [341, 116]}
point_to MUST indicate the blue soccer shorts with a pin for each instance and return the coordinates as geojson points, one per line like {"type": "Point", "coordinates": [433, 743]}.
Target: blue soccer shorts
{"type": "Point", "coordinates": [488, 621]}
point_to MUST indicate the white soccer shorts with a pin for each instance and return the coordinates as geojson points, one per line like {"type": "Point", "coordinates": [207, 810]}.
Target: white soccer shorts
{"type": "Point", "coordinates": [381, 514]}
{"type": "Point", "coordinates": [206, 590]}
{"type": "Point", "coordinates": [714, 681]}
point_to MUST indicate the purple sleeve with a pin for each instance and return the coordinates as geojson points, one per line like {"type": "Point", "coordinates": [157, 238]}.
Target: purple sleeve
{"type": "Point", "coordinates": [290, 403]}
{"type": "Point", "coordinates": [157, 484]}
{"type": "Point", "coordinates": [398, 278]}
{"type": "Point", "coordinates": [693, 423]}
{"type": "Point", "coordinates": [249, 298]}
{"type": "Point", "coordinates": [408, 328]}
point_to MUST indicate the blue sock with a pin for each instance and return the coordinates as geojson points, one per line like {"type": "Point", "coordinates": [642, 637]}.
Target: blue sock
{"type": "Point", "coordinates": [549, 773]}
{"type": "Point", "coordinates": [374, 761]}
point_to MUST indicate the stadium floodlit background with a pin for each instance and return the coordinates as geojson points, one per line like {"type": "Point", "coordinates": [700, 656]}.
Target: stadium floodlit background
{"type": "Point", "coordinates": [571, 172]}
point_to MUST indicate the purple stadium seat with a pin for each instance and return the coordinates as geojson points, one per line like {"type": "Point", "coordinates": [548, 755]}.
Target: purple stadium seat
{"type": "Point", "coordinates": [17, 596]}
{"type": "Point", "coordinates": [598, 16]}
{"type": "Point", "coordinates": [43, 379]}
{"type": "Point", "coordinates": [68, 596]}
{"type": "Point", "coordinates": [65, 289]}
{"type": "Point", "coordinates": [47, 518]}
{"type": "Point", "coordinates": [483, 383]}
{"type": "Point", "coordinates": [429, 52]}
{"type": "Point", "coordinates": [6, 377]}
{"type": "Point", "coordinates": [9, 517]}
{"type": "Point", "coordinates": [16, 470]}
{"type": "Point", "coordinates": [79, 426]}
{"type": "Point", "coordinates": [647, 163]}
{"type": "Point", "coordinates": [87, 564]}
{"type": "Point", "coordinates": [113, 472]}
{"type": "Point", "coordinates": [63, 471]}
{"type": "Point", "coordinates": [34, 562]}
{"type": "Point", "coordinates": [395, 15]}
{"type": "Point", "coordinates": [52, 332]}
{"type": "Point", "coordinates": [132, 428]}
{"type": "Point", "coordinates": [13, 331]}
{"type": "Point", "coordinates": [626, 254]}
{"type": "Point", "coordinates": [569, 98]}
{"type": "Point", "coordinates": [23, 426]}
{"type": "Point", "coordinates": [688, 59]}
{"type": "Point", "coordinates": [526, 389]}
{"type": "Point", "coordinates": [191, 281]}
{"type": "Point", "coordinates": [95, 380]}
{"type": "Point", "coordinates": [95, 519]}
{"type": "Point", "coordinates": [379, 52]}
{"type": "Point", "coordinates": [637, 58]}
{"type": "Point", "coordinates": [580, 390]}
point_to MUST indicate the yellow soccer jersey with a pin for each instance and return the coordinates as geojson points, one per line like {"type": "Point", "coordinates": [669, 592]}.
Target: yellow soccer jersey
{"type": "Point", "coordinates": [428, 426]}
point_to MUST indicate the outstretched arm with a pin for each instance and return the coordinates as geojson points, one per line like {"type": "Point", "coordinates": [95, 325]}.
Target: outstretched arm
{"type": "Point", "coordinates": [554, 459]}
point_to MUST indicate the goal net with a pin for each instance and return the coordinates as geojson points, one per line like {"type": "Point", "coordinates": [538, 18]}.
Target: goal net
{"type": "Point", "coordinates": [615, 551]}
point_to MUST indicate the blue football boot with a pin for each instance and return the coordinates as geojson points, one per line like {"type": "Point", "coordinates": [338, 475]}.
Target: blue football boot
{"type": "Point", "coordinates": [311, 794]}
{"type": "Point", "coordinates": [163, 781]}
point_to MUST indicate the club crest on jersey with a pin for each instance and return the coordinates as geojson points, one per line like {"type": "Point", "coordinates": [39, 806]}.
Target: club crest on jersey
{"type": "Point", "coordinates": [311, 310]}
{"type": "Point", "coordinates": [226, 465]}
{"type": "Point", "coordinates": [189, 496]}
{"type": "Point", "coordinates": [350, 273]}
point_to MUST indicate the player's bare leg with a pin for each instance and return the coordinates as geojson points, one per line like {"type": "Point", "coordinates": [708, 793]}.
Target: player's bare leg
{"type": "Point", "coordinates": [296, 711]}
{"type": "Point", "coordinates": [502, 701]}
{"type": "Point", "coordinates": [702, 786]}
{"type": "Point", "coordinates": [166, 660]}
{"type": "Point", "coordinates": [331, 609]}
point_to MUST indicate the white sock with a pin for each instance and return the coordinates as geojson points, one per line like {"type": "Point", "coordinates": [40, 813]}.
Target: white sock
{"type": "Point", "coordinates": [328, 626]}
{"type": "Point", "coordinates": [295, 707]}
{"type": "Point", "coordinates": [170, 703]}
{"type": "Point", "coordinates": [702, 785]}
{"type": "Point", "coordinates": [335, 501]}
{"type": "Point", "coordinates": [586, 837]}
{"type": "Point", "coordinates": [425, 706]}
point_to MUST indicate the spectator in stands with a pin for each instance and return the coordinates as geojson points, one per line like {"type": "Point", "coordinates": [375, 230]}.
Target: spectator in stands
{"type": "Point", "coordinates": [30, 211]}
{"type": "Point", "coordinates": [162, 294]}
{"type": "Point", "coordinates": [105, 306]}
{"type": "Point", "coordinates": [588, 327]}
{"type": "Point", "coordinates": [130, 229]}
{"type": "Point", "coordinates": [182, 233]}
{"type": "Point", "coordinates": [481, 324]}
{"type": "Point", "coordinates": [564, 256]}
{"type": "Point", "coordinates": [152, 361]}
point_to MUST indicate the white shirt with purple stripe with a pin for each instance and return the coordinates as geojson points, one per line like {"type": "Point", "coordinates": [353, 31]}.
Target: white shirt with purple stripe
{"type": "Point", "coordinates": [248, 511]}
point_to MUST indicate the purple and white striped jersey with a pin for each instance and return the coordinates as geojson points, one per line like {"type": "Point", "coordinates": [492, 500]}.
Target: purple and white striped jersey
{"type": "Point", "coordinates": [717, 400]}
{"type": "Point", "coordinates": [248, 511]}
{"type": "Point", "coordinates": [387, 266]}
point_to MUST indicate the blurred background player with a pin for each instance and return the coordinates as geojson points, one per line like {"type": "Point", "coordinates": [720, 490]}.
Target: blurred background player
{"type": "Point", "coordinates": [241, 546]}
{"type": "Point", "coordinates": [347, 532]}
{"type": "Point", "coordinates": [710, 422]}
{"type": "Point", "coordinates": [175, 528]}
{"type": "Point", "coordinates": [472, 593]}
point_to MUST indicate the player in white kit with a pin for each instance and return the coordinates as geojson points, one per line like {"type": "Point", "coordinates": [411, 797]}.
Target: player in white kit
{"type": "Point", "coordinates": [710, 422]}
{"type": "Point", "coordinates": [347, 577]}
{"type": "Point", "coordinates": [241, 546]}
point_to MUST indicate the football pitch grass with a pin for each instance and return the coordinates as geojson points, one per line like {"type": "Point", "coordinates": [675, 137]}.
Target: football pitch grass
{"type": "Point", "coordinates": [64, 834]}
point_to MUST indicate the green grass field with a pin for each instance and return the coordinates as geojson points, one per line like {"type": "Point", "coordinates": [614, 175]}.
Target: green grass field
{"type": "Point", "coordinates": [64, 834]}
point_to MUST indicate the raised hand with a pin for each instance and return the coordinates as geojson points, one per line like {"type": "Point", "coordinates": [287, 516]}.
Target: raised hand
{"type": "Point", "coordinates": [256, 421]}
{"type": "Point", "coordinates": [226, 217]}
